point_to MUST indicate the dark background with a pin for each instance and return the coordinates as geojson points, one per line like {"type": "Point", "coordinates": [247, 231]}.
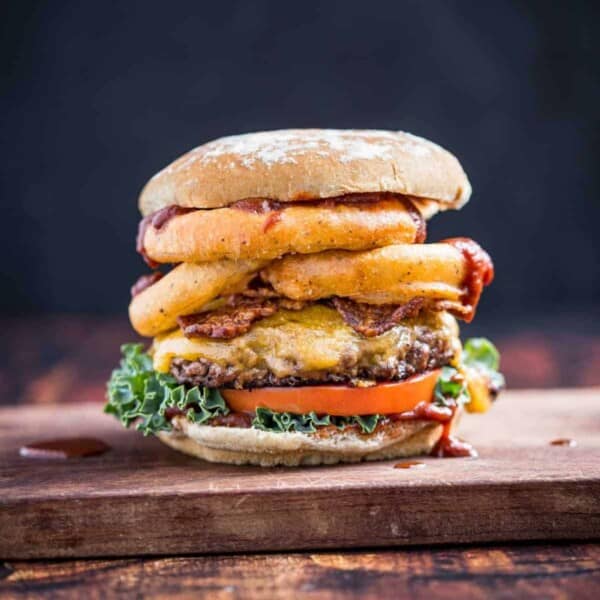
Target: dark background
{"type": "Point", "coordinates": [97, 96]}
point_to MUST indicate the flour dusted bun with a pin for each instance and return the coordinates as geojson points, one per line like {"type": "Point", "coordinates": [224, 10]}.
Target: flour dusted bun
{"type": "Point", "coordinates": [240, 446]}
{"type": "Point", "coordinates": [300, 164]}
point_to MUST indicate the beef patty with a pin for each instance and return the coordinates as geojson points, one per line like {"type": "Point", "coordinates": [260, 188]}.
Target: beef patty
{"type": "Point", "coordinates": [430, 349]}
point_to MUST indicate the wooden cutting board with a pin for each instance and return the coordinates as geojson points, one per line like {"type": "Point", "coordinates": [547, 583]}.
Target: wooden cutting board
{"type": "Point", "coordinates": [143, 498]}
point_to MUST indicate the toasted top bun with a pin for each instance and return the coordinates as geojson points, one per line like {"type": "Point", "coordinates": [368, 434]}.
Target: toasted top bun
{"type": "Point", "coordinates": [299, 164]}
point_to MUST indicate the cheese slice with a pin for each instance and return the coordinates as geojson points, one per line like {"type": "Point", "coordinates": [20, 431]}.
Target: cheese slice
{"type": "Point", "coordinates": [292, 342]}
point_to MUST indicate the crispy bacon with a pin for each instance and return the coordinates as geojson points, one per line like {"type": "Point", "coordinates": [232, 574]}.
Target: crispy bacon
{"type": "Point", "coordinates": [374, 319]}
{"type": "Point", "coordinates": [256, 302]}
{"type": "Point", "coordinates": [227, 322]}
{"type": "Point", "coordinates": [260, 300]}
{"type": "Point", "coordinates": [258, 290]}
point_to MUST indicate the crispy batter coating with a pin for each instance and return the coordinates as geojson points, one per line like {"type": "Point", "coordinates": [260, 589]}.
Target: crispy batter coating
{"type": "Point", "coordinates": [268, 231]}
{"type": "Point", "coordinates": [391, 275]}
{"type": "Point", "coordinates": [185, 290]}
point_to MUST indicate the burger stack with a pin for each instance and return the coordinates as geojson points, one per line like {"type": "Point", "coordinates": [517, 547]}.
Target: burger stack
{"type": "Point", "coordinates": [298, 315]}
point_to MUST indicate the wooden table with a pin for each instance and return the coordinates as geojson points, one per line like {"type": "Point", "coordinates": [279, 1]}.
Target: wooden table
{"type": "Point", "coordinates": [66, 359]}
{"type": "Point", "coordinates": [539, 571]}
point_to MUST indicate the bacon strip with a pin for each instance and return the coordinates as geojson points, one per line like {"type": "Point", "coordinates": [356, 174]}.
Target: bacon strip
{"type": "Point", "coordinates": [374, 319]}
{"type": "Point", "coordinates": [260, 301]}
{"type": "Point", "coordinates": [227, 322]}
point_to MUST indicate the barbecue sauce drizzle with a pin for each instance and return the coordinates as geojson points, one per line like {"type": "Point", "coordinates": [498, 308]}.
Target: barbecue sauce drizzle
{"type": "Point", "coordinates": [480, 272]}
{"type": "Point", "coordinates": [410, 464]}
{"type": "Point", "coordinates": [448, 445]}
{"type": "Point", "coordinates": [570, 443]}
{"type": "Point", "coordinates": [158, 220]}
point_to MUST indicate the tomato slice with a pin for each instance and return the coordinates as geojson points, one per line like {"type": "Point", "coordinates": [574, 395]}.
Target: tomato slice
{"type": "Point", "coordinates": [338, 400]}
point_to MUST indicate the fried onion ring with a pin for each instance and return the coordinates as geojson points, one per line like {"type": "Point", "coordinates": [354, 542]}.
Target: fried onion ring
{"type": "Point", "coordinates": [256, 229]}
{"type": "Point", "coordinates": [391, 275]}
{"type": "Point", "coordinates": [187, 289]}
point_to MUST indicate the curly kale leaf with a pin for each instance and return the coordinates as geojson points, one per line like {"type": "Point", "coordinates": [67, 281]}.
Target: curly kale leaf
{"type": "Point", "coordinates": [276, 422]}
{"type": "Point", "coordinates": [481, 354]}
{"type": "Point", "coordinates": [367, 423]}
{"type": "Point", "coordinates": [282, 422]}
{"type": "Point", "coordinates": [450, 385]}
{"type": "Point", "coordinates": [138, 394]}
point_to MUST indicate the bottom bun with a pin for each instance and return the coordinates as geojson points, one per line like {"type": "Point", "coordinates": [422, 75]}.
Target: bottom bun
{"type": "Point", "coordinates": [240, 446]}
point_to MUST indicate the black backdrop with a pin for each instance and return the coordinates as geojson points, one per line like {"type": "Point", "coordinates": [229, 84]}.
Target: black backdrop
{"type": "Point", "coordinates": [97, 96]}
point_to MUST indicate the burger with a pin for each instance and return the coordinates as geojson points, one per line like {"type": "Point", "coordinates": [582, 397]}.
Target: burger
{"type": "Point", "coordinates": [297, 315]}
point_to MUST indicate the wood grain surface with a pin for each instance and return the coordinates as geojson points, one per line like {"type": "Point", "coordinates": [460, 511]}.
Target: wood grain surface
{"type": "Point", "coordinates": [142, 498]}
{"type": "Point", "coordinates": [536, 571]}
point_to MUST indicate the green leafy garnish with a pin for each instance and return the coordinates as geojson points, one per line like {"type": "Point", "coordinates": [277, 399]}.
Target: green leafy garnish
{"type": "Point", "coordinates": [450, 385]}
{"type": "Point", "coordinates": [268, 420]}
{"type": "Point", "coordinates": [481, 354]}
{"type": "Point", "coordinates": [367, 422]}
{"type": "Point", "coordinates": [478, 353]}
{"type": "Point", "coordinates": [137, 393]}
{"type": "Point", "coordinates": [276, 422]}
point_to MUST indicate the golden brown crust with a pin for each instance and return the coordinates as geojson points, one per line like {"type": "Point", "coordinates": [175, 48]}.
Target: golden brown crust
{"type": "Point", "coordinates": [184, 290]}
{"type": "Point", "coordinates": [234, 233]}
{"type": "Point", "coordinates": [390, 275]}
{"type": "Point", "coordinates": [299, 164]}
{"type": "Point", "coordinates": [394, 274]}
{"type": "Point", "coordinates": [255, 447]}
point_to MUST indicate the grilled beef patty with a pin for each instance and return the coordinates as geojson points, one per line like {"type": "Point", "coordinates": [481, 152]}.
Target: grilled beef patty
{"type": "Point", "coordinates": [429, 350]}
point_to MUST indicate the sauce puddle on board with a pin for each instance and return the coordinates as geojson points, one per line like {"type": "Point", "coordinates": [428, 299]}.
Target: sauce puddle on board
{"type": "Point", "coordinates": [410, 464]}
{"type": "Point", "coordinates": [564, 442]}
{"type": "Point", "coordinates": [64, 448]}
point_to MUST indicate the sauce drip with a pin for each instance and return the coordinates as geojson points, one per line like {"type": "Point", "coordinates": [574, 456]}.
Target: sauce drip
{"type": "Point", "coordinates": [145, 281]}
{"type": "Point", "coordinates": [410, 464]}
{"type": "Point", "coordinates": [257, 206]}
{"type": "Point", "coordinates": [233, 419]}
{"type": "Point", "coordinates": [427, 411]}
{"type": "Point", "coordinates": [564, 442]}
{"type": "Point", "coordinates": [64, 448]}
{"type": "Point", "coordinates": [272, 219]}
{"type": "Point", "coordinates": [449, 446]}
{"type": "Point", "coordinates": [480, 272]}
{"type": "Point", "coordinates": [158, 220]}
{"type": "Point", "coordinates": [418, 219]}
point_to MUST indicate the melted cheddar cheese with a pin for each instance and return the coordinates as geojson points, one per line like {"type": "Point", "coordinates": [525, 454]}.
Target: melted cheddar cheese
{"type": "Point", "coordinates": [312, 339]}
